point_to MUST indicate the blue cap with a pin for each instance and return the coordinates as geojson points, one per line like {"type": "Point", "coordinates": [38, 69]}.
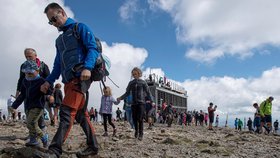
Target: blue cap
{"type": "Point", "coordinates": [29, 66]}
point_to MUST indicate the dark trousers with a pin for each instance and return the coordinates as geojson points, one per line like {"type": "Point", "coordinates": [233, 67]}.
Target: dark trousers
{"type": "Point", "coordinates": [67, 116]}
{"type": "Point", "coordinates": [92, 117]}
{"type": "Point", "coordinates": [138, 117]}
{"type": "Point", "coordinates": [107, 117]}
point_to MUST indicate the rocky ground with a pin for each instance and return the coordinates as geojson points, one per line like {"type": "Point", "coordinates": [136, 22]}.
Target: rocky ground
{"type": "Point", "coordinates": [160, 142]}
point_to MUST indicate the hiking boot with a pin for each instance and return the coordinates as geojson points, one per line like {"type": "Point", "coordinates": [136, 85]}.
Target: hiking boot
{"type": "Point", "coordinates": [140, 137]}
{"type": "Point", "coordinates": [136, 134]}
{"type": "Point", "coordinates": [105, 134]}
{"type": "Point", "coordinates": [44, 140]}
{"type": "Point", "coordinates": [88, 151]}
{"type": "Point", "coordinates": [114, 132]}
{"type": "Point", "coordinates": [32, 142]}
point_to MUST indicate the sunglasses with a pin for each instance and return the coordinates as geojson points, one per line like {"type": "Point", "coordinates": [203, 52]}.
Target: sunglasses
{"type": "Point", "coordinates": [53, 19]}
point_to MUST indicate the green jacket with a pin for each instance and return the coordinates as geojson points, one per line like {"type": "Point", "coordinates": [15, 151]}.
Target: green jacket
{"type": "Point", "coordinates": [240, 123]}
{"type": "Point", "coordinates": [265, 108]}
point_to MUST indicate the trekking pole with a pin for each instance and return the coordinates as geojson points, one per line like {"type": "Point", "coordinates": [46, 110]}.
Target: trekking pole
{"type": "Point", "coordinates": [100, 88]}
{"type": "Point", "coordinates": [113, 82]}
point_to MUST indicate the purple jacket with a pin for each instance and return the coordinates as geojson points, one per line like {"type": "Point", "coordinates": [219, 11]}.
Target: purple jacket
{"type": "Point", "coordinates": [106, 104]}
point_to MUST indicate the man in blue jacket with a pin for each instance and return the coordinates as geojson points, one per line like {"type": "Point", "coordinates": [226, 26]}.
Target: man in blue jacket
{"type": "Point", "coordinates": [72, 51]}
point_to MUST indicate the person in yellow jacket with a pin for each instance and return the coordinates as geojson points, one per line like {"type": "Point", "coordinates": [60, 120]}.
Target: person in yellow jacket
{"type": "Point", "coordinates": [265, 112]}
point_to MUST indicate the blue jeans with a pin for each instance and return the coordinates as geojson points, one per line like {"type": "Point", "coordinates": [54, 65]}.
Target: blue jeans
{"type": "Point", "coordinates": [128, 113]}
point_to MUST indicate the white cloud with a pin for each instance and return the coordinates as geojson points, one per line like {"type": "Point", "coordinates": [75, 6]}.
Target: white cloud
{"type": "Point", "coordinates": [128, 9]}
{"type": "Point", "coordinates": [234, 95]}
{"type": "Point", "coordinates": [218, 28]}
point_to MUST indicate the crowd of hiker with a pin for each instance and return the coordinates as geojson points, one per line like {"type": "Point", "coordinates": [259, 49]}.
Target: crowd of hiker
{"type": "Point", "coordinates": [36, 88]}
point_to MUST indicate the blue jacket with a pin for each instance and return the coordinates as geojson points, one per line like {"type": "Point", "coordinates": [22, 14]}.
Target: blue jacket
{"type": "Point", "coordinates": [71, 51]}
{"type": "Point", "coordinates": [31, 95]}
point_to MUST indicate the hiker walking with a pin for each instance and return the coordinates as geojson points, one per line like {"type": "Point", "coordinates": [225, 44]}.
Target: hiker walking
{"type": "Point", "coordinates": [92, 114]}
{"type": "Point", "coordinates": [240, 125]}
{"type": "Point", "coordinates": [31, 54]}
{"type": "Point", "coordinates": [34, 102]}
{"type": "Point", "coordinates": [151, 116]}
{"type": "Point", "coordinates": [236, 123]}
{"type": "Point", "coordinates": [138, 88]}
{"type": "Point", "coordinates": [58, 97]}
{"type": "Point", "coordinates": [19, 115]}
{"type": "Point", "coordinates": [265, 112]}
{"type": "Point", "coordinates": [257, 119]}
{"type": "Point", "coordinates": [217, 121]}
{"type": "Point", "coordinates": [206, 118]}
{"type": "Point", "coordinates": [119, 113]}
{"type": "Point", "coordinates": [107, 101]}
{"type": "Point", "coordinates": [96, 115]}
{"type": "Point", "coordinates": [71, 52]}
{"type": "Point", "coordinates": [9, 104]}
{"type": "Point", "coordinates": [250, 124]}
{"type": "Point", "coordinates": [169, 115]}
{"type": "Point", "coordinates": [128, 112]}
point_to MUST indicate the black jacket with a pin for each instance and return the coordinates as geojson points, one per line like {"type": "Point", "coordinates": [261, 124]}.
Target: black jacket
{"type": "Point", "coordinates": [31, 94]}
{"type": "Point", "coordinates": [140, 90]}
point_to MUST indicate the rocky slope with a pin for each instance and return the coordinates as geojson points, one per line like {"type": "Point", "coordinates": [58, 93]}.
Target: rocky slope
{"type": "Point", "coordinates": [160, 142]}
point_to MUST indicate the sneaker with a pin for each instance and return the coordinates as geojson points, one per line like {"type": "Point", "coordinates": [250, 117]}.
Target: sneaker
{"type": "Point", "coordinates": [44, 140]}
{"type": "Point", "coordinates": [32, 142]}
{"type": "Point", "coordinates": [105, 134]}
{"type": "Point", "coordinates": [114, 132]}
{"type": "Point", "coordinates": [88, 151]}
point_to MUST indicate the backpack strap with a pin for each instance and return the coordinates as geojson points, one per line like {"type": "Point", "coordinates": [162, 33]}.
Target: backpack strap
{"type": "Point", "coordinates": [42, 66]}
{"type": "Point", "coordinates": [77, 35]}
{"type": "Point", "coordinates": [75, 31]}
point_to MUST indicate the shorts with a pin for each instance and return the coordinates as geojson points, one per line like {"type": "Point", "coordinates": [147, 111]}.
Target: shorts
{"type": "Point", "coordinates": [211, 119]}
{"type": "Point", "coordinates": [267, 118]}
{"type": "Point", "coordinates": [258, 121]}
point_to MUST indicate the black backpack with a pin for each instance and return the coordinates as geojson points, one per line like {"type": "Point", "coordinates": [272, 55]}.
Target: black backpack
{"type": "Point", "coordinates": [99, 72]}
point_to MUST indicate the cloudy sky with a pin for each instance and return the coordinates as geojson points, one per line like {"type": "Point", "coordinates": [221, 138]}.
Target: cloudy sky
{"type": "Point", "coordinates": [226, 52]}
